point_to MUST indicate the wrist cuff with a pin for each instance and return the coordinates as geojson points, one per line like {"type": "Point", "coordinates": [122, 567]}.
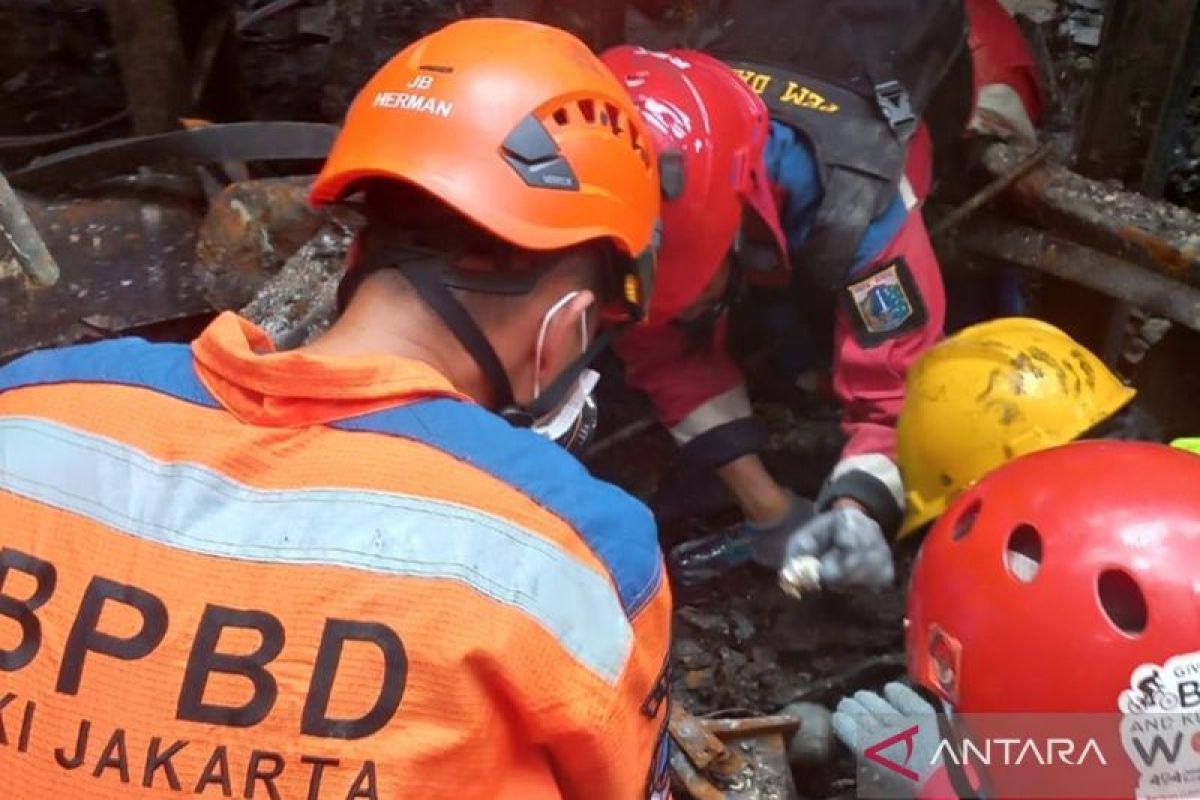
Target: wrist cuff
{"type": "Point", "coordinates": [718, 446]}
{"type": "Point", "coordinates": [869, 490]}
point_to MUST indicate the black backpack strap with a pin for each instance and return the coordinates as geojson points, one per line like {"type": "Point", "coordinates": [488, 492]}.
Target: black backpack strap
{"type": "Point", "coordinates": [899, 103]}
{"type": "Point", "coordinates": [892, 99]}
{"type": "Point", "coordinates": [859, 159]}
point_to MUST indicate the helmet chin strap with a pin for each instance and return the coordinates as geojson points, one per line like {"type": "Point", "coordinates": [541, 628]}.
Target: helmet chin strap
{"type": "Point", "coordinates": [425, 275]}
{"type": "Point", "coordinates": [959, 780]}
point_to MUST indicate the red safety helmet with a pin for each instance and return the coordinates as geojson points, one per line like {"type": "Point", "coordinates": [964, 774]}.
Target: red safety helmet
{"type": "Point", "coordinates": [1058, 582]}
{"type": "Point", "coordinates": [709, 130]}
{"type": "Point", "coordinates": [1113, 529]}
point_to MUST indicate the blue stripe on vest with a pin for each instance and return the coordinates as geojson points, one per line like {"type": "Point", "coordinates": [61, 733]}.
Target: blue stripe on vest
{"type": "Point", "coordinates": [617, 528]}
{"type": "Point", "coordinates": [163, 368]}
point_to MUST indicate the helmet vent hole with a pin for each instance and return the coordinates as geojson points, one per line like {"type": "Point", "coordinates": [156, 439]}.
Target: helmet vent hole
{"type": "Point", "coordinates": [588, 109]}
{"type": "Point", "coordinates": [966, 520]}
{"type": "Point", "coordinates": [614, 118]}
{"type": "Point", "coordinates": [1122, 601]}
{"type": "Point", "coordinates": [561, 117]}
{"type": "Point", "coordinates": [1024, 555]}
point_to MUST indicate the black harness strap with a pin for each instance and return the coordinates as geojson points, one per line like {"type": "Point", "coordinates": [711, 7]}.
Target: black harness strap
{"type": "Point", "coordinates": [431, 278]}
{"type": "Point", "coordinates": [425, 275]}
{"type": "Point", "coordinates": [954, 771]}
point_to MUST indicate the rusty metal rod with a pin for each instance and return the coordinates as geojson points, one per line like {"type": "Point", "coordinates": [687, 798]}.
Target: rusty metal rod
{"type": "Point", "coordinates": [991, 190]}
{"type": "Point", "coordinates": [1023, 246]}
{"type": "Point", "coordinates": [690, 779]}
{"type": "Point", "coordinates": [703, 748]}
{"type": "Point", "coordinates": [27, 244]}
{"type": "Point", "coordinates": [752, 726]}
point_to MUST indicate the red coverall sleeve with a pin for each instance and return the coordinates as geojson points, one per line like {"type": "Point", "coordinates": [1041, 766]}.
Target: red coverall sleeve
{"type": "Point", "coordinates": [697, 390]}
{"type": "Point", "coordinates": [869, 382]}
{"type": "Point", "coordinates": [1008, 99]}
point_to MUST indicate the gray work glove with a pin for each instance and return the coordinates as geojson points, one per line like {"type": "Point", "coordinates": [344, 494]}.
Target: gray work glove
{"type": "Point", "coordinates": [839, 548]}
{"type": "Point", "coordinates": [698, 561]}
{"type": "Point", "coordinates": [866, 719]}
{"type": "Point", "coordinates": [769, 542]}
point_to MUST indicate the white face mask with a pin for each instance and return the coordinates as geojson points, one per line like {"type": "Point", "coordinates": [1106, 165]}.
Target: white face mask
{"type": "Point", "coordinates": [574, 421]}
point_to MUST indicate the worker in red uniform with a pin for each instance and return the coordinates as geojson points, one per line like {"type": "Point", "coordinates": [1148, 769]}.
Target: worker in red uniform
{"type": "Point", "coordinates": [1056, 599]}
{"type": "Point", "coordinates": [773, 177]}
{"type": "Point", "coordinates": [361, 569]}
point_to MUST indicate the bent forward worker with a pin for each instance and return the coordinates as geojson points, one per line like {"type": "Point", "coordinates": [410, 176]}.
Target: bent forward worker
{"type": "Point", "coordinates": [767, 187]}
{"type": "Point", "coordinates": [339, 572]}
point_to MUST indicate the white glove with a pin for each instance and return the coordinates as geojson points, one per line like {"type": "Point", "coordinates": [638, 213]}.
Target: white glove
{"type": "Point", "coordinates": [1000, 112]}
{"type": "Point", "coordinates": [866, 719]}
{"type": "Point", "coordinates": [849, 547]}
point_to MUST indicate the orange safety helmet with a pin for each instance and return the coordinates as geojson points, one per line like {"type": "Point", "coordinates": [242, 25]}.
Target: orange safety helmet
{"type": "Point", "coordinates": [1058, 584]}
{"type": "Point", "coordinates": [710, 131]}
{"type": "Point", "coordinates": [518, 127]}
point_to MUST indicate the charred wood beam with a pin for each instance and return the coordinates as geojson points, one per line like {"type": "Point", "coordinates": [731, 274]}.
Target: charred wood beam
{"type": "Point", "coordinates": [1134, 115]}
{"type": "Point", "coordinates": [1139, 87]}
{"type": "Point", "coordinates": [1000, 243]}
{"type": "Point", "coordinates": [152, 60]}
{"type": "Point", "coordinates": [1169, 129]}
{"type": "Point", "coordinates": [1126, 225]}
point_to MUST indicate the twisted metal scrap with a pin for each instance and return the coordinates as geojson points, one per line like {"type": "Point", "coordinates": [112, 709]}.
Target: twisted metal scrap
{"type": "Point", "coordinates": [27, 245]}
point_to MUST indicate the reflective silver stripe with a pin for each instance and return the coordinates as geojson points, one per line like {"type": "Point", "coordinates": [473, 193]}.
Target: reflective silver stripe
{"type": "Point", "coordinates": [192, 507]}
{"type": "Point", "coordinates": [907, 194]}
{"type": "Point", "coordinates": [877, 465]}
{"type": "Point", "coordinates": [727, 407]}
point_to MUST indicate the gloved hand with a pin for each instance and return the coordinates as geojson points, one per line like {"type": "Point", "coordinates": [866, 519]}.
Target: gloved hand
{"type": "Point", "coordinates": [848, 545]}
{"type": "Point", "coordinates": [866, 719]}
{"type": "Point", "coordinates": [699, 560]}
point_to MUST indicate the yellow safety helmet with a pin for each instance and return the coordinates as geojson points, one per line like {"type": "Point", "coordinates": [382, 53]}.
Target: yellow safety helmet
{"type": "Point", "coordinates": [988, 394]}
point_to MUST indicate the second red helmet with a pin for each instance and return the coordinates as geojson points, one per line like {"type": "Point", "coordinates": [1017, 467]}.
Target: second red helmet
{"type": "Point", "coordinates": [709, 130]}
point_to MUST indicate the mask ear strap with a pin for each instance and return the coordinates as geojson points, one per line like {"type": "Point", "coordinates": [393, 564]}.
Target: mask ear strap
{"type": "Point", "coordinates": [559, 305]}
{"type": "Point", "coordinates": [561, 386]}
{"type": "Point", "coordinates": [426, 278]}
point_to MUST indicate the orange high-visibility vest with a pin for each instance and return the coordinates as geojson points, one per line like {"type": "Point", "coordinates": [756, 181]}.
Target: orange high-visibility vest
{"type": "Point", "coordinates": [229, 572]}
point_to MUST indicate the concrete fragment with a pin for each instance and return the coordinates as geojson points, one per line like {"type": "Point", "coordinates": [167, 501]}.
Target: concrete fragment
{"type": "Point", "coordinates": [813, 743]}
{"type": "Point", "coordinates": [251, 229]}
